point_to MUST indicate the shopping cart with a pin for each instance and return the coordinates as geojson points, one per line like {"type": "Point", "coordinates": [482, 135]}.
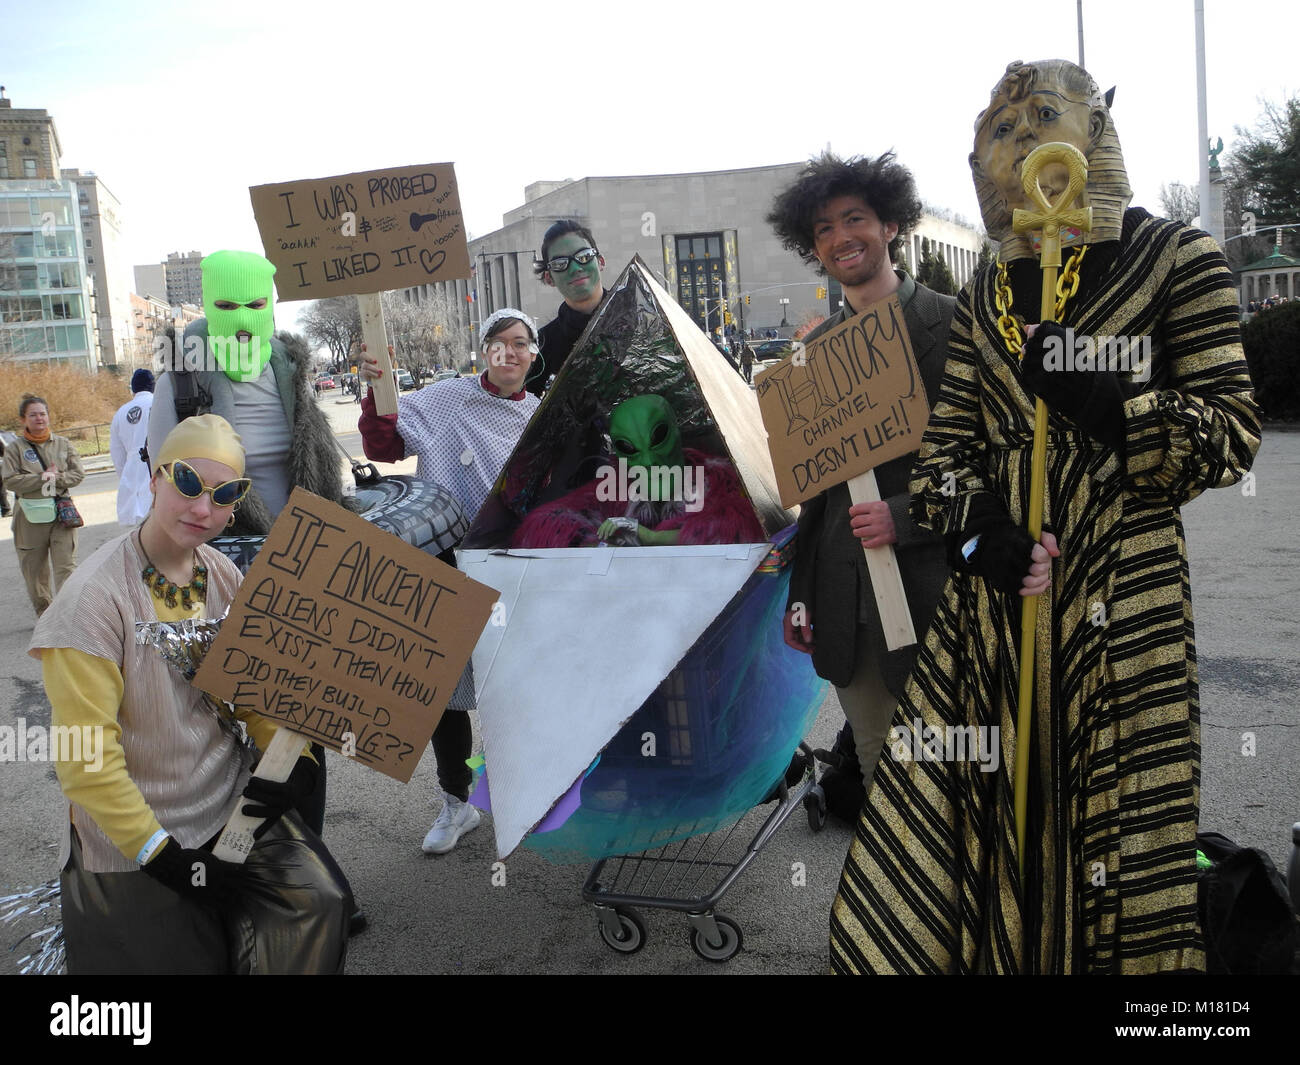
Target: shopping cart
{"type": "Point", "coordinates": [691, 875]}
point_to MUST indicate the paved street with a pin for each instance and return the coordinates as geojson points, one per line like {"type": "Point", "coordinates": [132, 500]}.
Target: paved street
{"type": "Point", "coordinates": [444, 914]}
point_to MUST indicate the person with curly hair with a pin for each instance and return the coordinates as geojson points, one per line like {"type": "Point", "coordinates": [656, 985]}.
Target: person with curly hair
{"type": "Point", "coordinates": [848, 217]}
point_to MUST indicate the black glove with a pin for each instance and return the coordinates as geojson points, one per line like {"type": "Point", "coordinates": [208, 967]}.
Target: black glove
{"type": "Point", "coordinates": [272, 799]}
{"type": "Point", "coordinates": [196, 874]}
{"type": "Point", "coordinates": [1092, 399]}
{"type": "Point", "coordinates": [1002, 556]}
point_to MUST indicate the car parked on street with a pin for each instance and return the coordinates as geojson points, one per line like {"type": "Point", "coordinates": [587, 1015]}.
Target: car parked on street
{"type": "Point", "coordinates": [405, 381]}
{"type": "Point", "coordinates": [773, 350]}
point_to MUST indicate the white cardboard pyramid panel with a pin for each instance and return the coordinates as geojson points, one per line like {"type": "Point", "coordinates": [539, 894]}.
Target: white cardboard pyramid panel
{"type": "Point", "coordinates": [589, 634]}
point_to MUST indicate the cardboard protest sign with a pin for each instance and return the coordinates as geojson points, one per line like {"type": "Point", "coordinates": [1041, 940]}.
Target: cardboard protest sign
{"type": "Point", "coordinates": [368, 232]}
{"type": "Point", "coordinates": [347, 635]}
{"type": "Point", "coordinates": [849, 401]}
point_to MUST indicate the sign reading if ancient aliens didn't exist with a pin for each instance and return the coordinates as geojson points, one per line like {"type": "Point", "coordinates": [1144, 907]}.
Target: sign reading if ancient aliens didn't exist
{"type": "Point", "coordinates": [848, 402]}
{"type": "Point", "coordinates": [359, 233]}
{"type": "Point", "coordinates": [347, 635]}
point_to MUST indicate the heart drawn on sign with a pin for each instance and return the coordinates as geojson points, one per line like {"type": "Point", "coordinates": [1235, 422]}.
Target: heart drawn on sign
{"type": "Point", "coordinates": [432, 260]}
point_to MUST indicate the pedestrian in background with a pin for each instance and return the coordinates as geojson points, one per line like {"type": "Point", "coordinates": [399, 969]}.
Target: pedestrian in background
{"type": "Point", "coordinates": [37, 468]}
{"type": "Point", "coordinates": [128, 437]}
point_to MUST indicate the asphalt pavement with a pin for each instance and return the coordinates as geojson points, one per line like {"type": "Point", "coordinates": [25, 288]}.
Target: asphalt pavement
{"type": "Point", "coordinates": [463, 912]}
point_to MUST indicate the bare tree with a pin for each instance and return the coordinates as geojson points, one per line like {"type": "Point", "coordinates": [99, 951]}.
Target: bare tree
{"type": "Point", "coordinates": [335, 324]}
{"type": "Point", "coordinates": [1179, 202]}
{"type": "Point", "coordinates": [425, 331]}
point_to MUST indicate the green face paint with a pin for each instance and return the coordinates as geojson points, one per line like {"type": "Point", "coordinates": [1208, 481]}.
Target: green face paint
{"type": "Point", "coordinates": [239, 335]}
{"type": "Point", "coordinates": [645, 433]}
{"type": "Point", "coordinates": [579, 283]}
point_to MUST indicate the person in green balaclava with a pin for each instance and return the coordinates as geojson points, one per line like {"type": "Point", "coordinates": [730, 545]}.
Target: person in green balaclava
{"type": "Point", "coordinates": [237, 298]}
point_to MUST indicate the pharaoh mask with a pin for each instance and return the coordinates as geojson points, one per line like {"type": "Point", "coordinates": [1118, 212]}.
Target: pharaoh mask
{"type": "Point", "coordinates": [1033, 104]}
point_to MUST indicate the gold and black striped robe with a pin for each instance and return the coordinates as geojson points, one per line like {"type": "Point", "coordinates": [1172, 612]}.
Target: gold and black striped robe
{"type": "Point", "coordinates": [931, 883]}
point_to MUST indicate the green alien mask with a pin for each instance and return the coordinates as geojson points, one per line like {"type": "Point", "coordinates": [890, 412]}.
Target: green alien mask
{"type": "Point", "coordinates": [237, 298]}
{"type": "Point", "coordinates": [645, 433]}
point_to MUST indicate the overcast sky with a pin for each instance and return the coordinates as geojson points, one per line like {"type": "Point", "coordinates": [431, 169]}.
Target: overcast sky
{"type": "Point", "coordinates": [180, 108]}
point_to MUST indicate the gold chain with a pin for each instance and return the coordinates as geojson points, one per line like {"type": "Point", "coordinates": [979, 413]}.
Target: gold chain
{"type": "Point", "coordinates": [1066, 286]}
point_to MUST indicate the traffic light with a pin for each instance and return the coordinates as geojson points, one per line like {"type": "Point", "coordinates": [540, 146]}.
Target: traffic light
{"type": "Point", "coordinates": [726, 317]}
{"type": "Point", "coordinates": [821, 292]}
{"type": "Point", "coordinates": [747, 301]}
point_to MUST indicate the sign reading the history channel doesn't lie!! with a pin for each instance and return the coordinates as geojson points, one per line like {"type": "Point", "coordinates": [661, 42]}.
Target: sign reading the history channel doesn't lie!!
{"type": "Point", "coordinates": [844, 404]}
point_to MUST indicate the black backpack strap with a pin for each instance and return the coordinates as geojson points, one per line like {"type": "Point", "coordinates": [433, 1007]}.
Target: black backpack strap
{"type": "Point", "coordinates": [189, 396]}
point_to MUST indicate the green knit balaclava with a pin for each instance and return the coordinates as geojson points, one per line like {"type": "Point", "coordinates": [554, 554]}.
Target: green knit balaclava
{"type": "Point", "coordinates": [237, 295]}
{"type": "Point", "coordinates": [644, 432]}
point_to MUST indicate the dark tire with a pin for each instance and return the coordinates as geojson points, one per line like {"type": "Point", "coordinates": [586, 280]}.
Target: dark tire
{"type": "Point", "coordinates": [632, 928]}
{"type": "Point", "coordinates": [816, 807]}
{"type": "Point", "coordinates": [422, 513]}
{"type": "Point", "coordinates": [732, 941]}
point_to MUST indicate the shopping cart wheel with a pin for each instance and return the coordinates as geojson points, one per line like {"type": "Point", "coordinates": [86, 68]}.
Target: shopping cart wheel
{"type": "Point", "coordinates": [630, 936]}
{"type": "Point", "coordinates": [815, 803]}
{"type": "Point", "coordinates": [728, 932]}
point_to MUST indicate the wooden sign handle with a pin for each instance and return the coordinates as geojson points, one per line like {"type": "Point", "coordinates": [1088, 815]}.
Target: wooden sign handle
{"type": "Point", "coordinates": [277, 763]}
{"type": "Point", "coordinates": [384, 389]}
{"type": "Point", "coordinates": [886, 580]}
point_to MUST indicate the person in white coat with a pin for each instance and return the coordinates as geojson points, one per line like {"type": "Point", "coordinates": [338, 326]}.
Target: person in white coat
{"type": "Point", "coordinates": [127, 435]}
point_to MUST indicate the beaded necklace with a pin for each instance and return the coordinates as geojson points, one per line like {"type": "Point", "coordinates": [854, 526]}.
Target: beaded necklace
{"type": "Point", "coordinates": [168, 590]}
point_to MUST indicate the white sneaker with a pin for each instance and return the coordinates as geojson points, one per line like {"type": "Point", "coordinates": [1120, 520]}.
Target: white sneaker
{"type": "Point", "coordinates": [457, 818]}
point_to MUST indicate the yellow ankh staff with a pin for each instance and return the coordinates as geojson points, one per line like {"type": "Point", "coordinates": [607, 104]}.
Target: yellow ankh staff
{"type": "Point", "coordinates": [1050, 219]}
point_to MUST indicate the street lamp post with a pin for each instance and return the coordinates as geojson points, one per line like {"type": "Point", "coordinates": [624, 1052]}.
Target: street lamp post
{"type": "Point", "coordinates": [784, 301]}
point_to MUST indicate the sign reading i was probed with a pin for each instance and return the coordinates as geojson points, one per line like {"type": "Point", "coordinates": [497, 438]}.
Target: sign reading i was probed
{"type": "Point", "coordinates": [360, 233]}
{"type": "Point", "coordinates": [347, 635]}
{"type": "Point", "coordinates": [850, 401]}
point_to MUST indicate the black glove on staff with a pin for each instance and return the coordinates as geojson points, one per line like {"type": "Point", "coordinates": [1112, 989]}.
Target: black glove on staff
{"type": "Point", "coordinates": [272, 799]}
{"type": "Point", "coordinates": [196, 874]}
{"type": "Point", "coordinates": [1092, 399]}
{"type": "Point", "coordinates": [1002, 555]}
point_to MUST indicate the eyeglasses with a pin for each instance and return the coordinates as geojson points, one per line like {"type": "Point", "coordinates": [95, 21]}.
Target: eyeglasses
{"type": "Point", "coordinates": [560, 264]}
{"type": "Point", "coordinates": [496, 349]}
{"type": "Point", "coordinates": [187, 481]}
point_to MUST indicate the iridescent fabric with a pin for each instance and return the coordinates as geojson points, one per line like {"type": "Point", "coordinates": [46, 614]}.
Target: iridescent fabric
{"type": "Point", "coordinates": [723, 725]}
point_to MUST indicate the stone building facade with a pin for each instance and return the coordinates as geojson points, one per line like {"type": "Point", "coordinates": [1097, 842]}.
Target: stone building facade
{"type": "Point", "coordinates": [703, 235]}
